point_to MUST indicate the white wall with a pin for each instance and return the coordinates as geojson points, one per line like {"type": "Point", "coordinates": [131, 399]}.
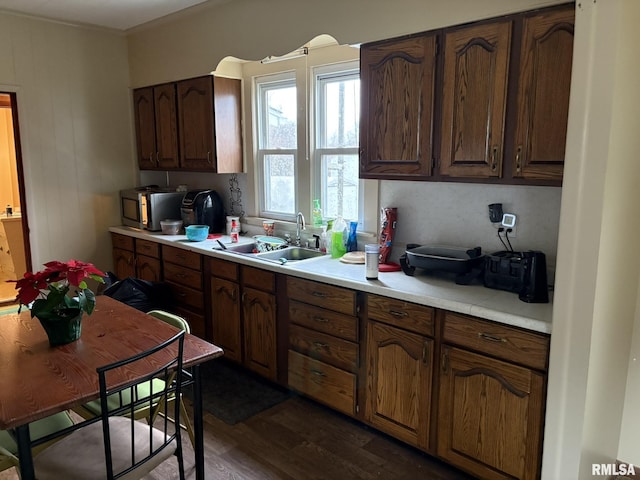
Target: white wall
{"type": "Point", "coordinates": [596, 281]}
{"type": "Point", "coordinates": [74, 117]}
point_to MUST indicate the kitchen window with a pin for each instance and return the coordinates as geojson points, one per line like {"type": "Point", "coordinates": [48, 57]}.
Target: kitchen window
{"type": "Point", "coordinates": [305, 134]}
{"type": "Point", "coordinates": [277, 144]}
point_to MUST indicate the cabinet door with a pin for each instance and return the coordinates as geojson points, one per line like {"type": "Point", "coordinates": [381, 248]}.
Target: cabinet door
{"type": "Point", "coordinates": [227, 94]}
{"type": "Point", "coordinates": [144, 116]}
{"type": "Point", "coordinates": [399, 372]}
{"type": "Point", "coordinates": [195, 120]}
{"type": "Point", "coordinates": [166, 126]}
{"type": "Point", "coordinates": [476, 66]}
{"type": "Point", "coordinates": [225, 314]}
{"type": "Point", "coordinates": [123, 263]}
{"type": "Point", "coordinates": [397, 94]}
{"type": "Point", "coordinates": [148, 268]}
{"type": "Point", "coordinates": [259, 321]}
{"type": "Point", "coordinates": [490, 416]}
{"type": "Point", "coordinates": [543, 95]}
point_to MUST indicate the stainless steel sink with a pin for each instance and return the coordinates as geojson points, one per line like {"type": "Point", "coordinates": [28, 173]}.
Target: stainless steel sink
{"type": "Point", "coordinates": [290, 254]}
{"type": "Point", "coordinates": [242, 248]}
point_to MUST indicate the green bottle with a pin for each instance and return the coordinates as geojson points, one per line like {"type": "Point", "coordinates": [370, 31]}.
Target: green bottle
{"type": "Point", "coordinates": [316, 214]}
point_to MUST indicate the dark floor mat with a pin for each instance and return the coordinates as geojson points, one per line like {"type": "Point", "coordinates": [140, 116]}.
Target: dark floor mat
{"type": "Point", "coordinates": [233, 394]}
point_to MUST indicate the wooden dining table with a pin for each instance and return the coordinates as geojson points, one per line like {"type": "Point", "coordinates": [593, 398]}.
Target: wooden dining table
{"type": "Point", "coordinates": [37, 380]}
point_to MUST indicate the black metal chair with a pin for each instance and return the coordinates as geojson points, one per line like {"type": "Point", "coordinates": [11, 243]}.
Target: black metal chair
{"type": "Point", "coordinates": [119, 446]}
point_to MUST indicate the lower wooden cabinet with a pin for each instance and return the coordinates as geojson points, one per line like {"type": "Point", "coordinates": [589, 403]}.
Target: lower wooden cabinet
{"type": "Point", "coordinates": [324, 354]}
{"type": "Point", "coordinates": [399, 369]}
{"type": "Point", "coordinates": [183, 273]}
{"type": "Point", "coordinates": [243, 315]}
{"type": "Point", "coordinates": [135, 257]}
{"type": "Point", "coordinates": [321, 381]}
{"type": "Point", "coordinates": [259, 324]}
{"type": "Point", "coordinates": [491, 401]}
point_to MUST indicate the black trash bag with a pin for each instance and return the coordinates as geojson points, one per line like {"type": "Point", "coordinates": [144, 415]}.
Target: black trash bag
{"type": "Point", "coordinates": [141, 294]}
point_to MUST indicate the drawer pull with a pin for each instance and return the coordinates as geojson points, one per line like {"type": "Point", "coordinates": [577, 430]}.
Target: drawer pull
{"type": "Point", "coordinates": [491, 338]}
{"type": "Point", "coordinates": [181, 294]}
{"type": "Point", "coordinates": [396, 313]}
{"type": "Point", "coordinates": [425, 353]}
{"type": "Point", "coordinates": [320, 345]}
{"type": "Point", "coordinates": [319, 294]}
{"type": "Point", "coordinates": [318, 373]}
{"type": "Point", "coordinates": [320, 319]}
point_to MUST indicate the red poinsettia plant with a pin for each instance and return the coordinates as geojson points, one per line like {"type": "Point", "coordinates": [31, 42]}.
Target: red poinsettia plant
{"type": "Point", "coordinates": [46, 292]}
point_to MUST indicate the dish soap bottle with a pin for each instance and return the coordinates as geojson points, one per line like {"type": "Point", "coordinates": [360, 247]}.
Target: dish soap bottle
{"type": "Point", "coordinates": [338, 248]}
{"type": "Point", "coordinates": [316, 214]}
{"type": "Point", "coordinates": [352, 240]}
{"type": "Point", "coordinates": [234, 231]}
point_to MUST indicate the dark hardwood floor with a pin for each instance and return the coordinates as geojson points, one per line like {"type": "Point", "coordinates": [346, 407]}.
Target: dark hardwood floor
{"type": "Point", "coordinates": [299, 439]}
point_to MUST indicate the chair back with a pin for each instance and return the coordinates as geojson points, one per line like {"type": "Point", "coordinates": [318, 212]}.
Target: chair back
{"type": "Point", "coordinates": [172, 319]}
{"type": "Point", "coordinates": [162, 362]}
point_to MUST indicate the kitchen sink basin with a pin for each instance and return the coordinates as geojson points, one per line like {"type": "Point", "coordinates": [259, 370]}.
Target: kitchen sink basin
{"type": "Point", "coordinates": [242, 248]}
{"type": "Point", "coordinates": [290, 254]}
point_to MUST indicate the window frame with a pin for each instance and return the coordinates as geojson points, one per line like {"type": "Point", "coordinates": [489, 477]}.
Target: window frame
{"type": "Point", "coordinates": [262, 84]}
{"type": "Point", "coordinates": [307, 167]}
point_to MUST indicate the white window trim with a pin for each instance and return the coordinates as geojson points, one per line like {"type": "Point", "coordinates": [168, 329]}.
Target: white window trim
{"type": "Point", "coordinates": [303, 69]}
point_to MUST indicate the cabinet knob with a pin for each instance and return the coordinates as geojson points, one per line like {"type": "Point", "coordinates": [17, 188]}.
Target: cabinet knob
{"type": "Point", "coordinates": [518, 156]}
{"type": "Point", "coordinates": [397, 313]}
{"type": "Point", "coordinates": [209, 157]}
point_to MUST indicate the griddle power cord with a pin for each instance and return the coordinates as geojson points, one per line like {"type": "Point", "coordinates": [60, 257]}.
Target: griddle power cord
{"type": "Point", "coordinates": [500, 230]}
{"type": "Point", "coordinates": [506, 235]}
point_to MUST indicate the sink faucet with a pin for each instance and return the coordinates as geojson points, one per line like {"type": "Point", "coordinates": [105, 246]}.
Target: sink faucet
{"type": "Point", "coordinates": [300, 225]}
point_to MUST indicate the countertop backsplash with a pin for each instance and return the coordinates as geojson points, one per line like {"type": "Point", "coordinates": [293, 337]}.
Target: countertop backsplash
{"type": "Point", "coordinates": [457, 214]}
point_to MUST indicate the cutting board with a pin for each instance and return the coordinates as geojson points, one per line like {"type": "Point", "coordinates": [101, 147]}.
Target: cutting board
{"type": "Point", "coordinates": [353, 258]}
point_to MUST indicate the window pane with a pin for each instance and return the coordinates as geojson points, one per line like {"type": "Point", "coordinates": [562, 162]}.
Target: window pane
{"type": "Point", "coordinates": [341, 106]}
{"type": "Point", "coordinates": [279, 183]}
{"type": "Point", "coordinates": [340, 186]}
{"type": "Point", "coordinates": [280, 110]}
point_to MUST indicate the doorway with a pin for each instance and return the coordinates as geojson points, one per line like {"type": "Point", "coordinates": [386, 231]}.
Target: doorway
{"type": "Point", "coordinates": [15, 253]}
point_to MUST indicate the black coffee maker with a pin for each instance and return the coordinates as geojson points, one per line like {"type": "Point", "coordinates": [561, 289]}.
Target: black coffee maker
{"type": "Point", "coordinates": [203, 207]}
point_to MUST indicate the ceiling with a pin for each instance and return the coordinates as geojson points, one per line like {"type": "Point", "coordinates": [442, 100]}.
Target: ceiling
{"type": "Point", "coordinates": [116, 14]}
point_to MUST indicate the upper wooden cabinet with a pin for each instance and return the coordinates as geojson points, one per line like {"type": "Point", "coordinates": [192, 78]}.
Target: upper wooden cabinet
{"type": "Point", "coordinates": [209, 124]}
{"type": "Point", "coordinates": [156, 130]}
{"type": "Point", "coordinates": [543, 95]}
{"type": "Point", "coordinates": [476, 67]}
{"type": "Point", "coordinates": [397, 104]}
{"type": "Point", "coordinates": [500, 108]}
{"type": "Point", "coordinates": [192, 124]}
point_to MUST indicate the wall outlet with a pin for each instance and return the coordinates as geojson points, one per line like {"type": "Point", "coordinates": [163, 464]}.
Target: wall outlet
{"type": "Point", "coordinates": [512, 232]}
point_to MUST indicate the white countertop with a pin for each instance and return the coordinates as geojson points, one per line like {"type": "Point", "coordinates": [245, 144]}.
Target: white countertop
{"type": "Point", "coordinates": [424, 288]}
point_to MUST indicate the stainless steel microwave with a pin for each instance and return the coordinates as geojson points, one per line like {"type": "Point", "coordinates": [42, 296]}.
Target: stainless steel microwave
{"type": "Point", "coordinates": [145, 208]}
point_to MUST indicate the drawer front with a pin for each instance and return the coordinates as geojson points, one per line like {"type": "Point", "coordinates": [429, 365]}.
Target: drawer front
{"type": "Point", "coordinates": [181, 257]}
{"type": "Point", "coordinates": [121, 241]}
{"type": "Point", "coordinates": [323, 320]}
{"type": "Point", "coordinates": [145, 247]}
{"type": "Point", "coordinates": [324, 383]}
{"type": "Point", "coordinates": [322, 295]}
{"type": "Point", "coordinates": [409, 316]}
{"type": "Point", "coordinates": [224, 269]}
{"type": "Point", "coordinates": [329, 349]}
{"type": "Point", "coordinates": [184, 276]}
{"type": "Point", "coordinates": [501, 341]}
{"type": "Point", "coordinates": [188, 296]}
{"type": "Point", "coordinates": [259, 279]}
